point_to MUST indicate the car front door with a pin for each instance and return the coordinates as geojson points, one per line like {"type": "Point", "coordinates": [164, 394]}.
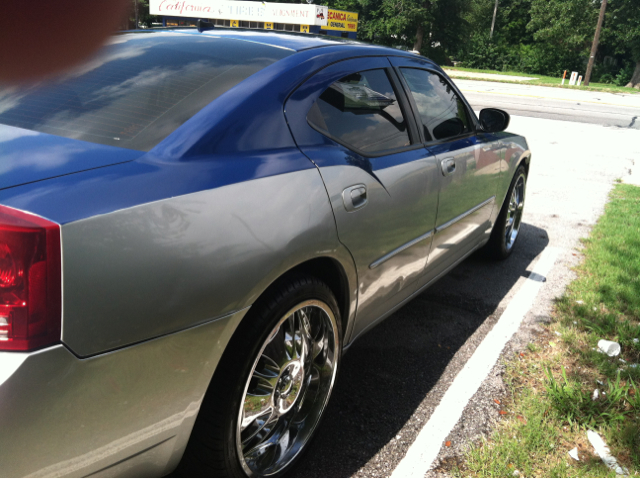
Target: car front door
{"type": "Point", "coordinates": [469, 172]}
{"type": "Point", "coordinates": [353, 121]}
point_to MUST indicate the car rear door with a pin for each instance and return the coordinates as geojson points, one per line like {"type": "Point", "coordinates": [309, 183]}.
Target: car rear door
{"type": "Point", "coordinates": [469, 173]}
{"type": "Point", "coordinates": [353, 121]}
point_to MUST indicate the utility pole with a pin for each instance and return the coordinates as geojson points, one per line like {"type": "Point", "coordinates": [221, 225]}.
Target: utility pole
{"type": "Point", "coordinates": [135, 3]}
{"type": "Point", "coordinates": [493, 22]}
{"type": "Point", "coordinates": [596, 39]}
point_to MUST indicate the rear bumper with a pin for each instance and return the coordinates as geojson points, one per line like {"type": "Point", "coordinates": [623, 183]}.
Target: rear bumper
{"type": "Point", "coordinates": [124, 413]}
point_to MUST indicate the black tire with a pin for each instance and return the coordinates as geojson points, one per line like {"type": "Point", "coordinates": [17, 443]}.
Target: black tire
{"type": "Point", "coordinates": [213, 449]}
{"type": "Point", "coordinates": [505, 233]}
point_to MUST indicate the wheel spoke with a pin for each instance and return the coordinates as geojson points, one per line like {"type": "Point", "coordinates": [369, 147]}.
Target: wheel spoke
{"type": "Point", "coordinates": [319, 342]}
{"type": "Point", "coordinates": [253, 425]}
{"type": "Point", "coordinates": [264, 454]}
{"type": "Point", "coordinates": [277, 351]}
{"type": "Point", "coordinates": [298, 334]}
{"type": "Point", "coordinates": [273, 445]}
{"type": "Point", "coordinates": [306, 324]}
{"type": "Point", "coordinates": [261, 454]}
{"type": "Point", "coordinates": [289, 336]}
{"type": "Point", "coordinates": [306, 341]}
{"type": "Point", "coordinates": [267, 368]}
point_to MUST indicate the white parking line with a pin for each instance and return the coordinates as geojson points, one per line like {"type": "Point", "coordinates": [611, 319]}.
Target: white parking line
{"type": "Point", "coordinates": [426, 447]}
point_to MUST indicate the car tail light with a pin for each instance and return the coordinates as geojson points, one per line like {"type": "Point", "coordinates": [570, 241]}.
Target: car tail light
{"type": "Point", "coordinates": [30, 281]}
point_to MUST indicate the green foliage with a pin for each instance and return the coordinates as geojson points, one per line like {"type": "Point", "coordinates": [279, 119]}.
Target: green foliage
{"type": "Point", "coordinates": [543, 424]}
{"type": "Point", "coordinates": [566, 24]}
{"type": "Point", "coordinates": [484, 53]}
{"type": "Point", "coordinates": [546, 37]}
{"type": "Point", "coordinates": [613, 266]}
{"type": "Point", "coordinates": [625, 74]}
{"type": "Point", "coordinates": [622, 27]}
{"type": "Point", "coordinates": [537, 58]}
{"type": "Point", "coordinates": [388, 22]}
{"type": "Point", "coordinates": [575, 403]}
{"type": "Point", "coordinates": [542, 37]}
{"type": "Point", "coordinates": [512, 20]}
{"type": "Point", "coordinates": [395, 23]}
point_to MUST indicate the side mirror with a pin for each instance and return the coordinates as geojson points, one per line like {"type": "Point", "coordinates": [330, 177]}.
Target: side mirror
{"type": "Point", "coordinates": [448, 128]}
{"type": "Point", "coordinates": [494, 120]}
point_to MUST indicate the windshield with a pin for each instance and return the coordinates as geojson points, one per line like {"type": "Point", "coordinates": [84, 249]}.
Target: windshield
{"type": "Point", "coordinates": [139, 89]}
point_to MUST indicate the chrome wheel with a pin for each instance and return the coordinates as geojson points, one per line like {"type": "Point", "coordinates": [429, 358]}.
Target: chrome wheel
{"type": "Point", "coordinates": [287, 389]}
{"type": "Point", "coordinates": [514, 212]}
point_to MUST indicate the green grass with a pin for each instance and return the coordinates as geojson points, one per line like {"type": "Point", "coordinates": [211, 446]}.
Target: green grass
{"type": "Point", "coordinates": [552, 382]}
{"type": "Point", "coordinates": [535, 438]}
{"type": "Point", "coordinates": [541, 80]}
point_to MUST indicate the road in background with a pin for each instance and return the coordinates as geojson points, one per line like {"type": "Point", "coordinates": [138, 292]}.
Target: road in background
{"type": "Point", "coordinates": [605, 109]}
{"type": "Point", "coordinates": [393, 378]}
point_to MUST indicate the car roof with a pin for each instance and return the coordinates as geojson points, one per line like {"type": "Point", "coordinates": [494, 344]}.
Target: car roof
{"type": "Point", "coordinates": [289, 40]}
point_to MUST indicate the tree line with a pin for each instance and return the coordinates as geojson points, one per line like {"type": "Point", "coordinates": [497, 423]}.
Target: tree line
{"type": "Point", "coordinates": [543, 37]}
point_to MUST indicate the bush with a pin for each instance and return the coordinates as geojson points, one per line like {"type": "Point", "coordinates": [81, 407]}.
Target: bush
{"type": "Point", "coordinates": [481, 54]}
{"type": "Point", "coordinates": [537, 58]}
{"type": "Point", "coordinates": [624, 75]}
{"type": "Point", "coordinates": [546, 59]}
{"type": "Point", "coordinates": [605, 78]}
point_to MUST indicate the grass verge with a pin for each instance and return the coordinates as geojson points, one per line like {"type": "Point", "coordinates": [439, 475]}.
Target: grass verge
{"type": "Point", "coordinates": [541, 80]}
{"type": "Point", "coordinates": [553, 383]}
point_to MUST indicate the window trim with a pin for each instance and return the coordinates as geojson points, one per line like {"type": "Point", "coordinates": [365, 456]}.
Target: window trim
{"type": "Point", "coordinates": [415, 139]}
{"type": "Point", "coordinates": [471, 117]}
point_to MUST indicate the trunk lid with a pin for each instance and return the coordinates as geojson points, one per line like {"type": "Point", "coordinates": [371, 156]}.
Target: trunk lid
{"type": "Point", "coordinates": [27, 156]}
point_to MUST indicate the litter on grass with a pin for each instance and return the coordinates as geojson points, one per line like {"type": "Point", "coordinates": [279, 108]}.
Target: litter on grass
{"type": "Point", "coordinates": [595, 395]}
{"type": "Point", "coordinates": [574, 452]}
{"type": "Point", "coordinates": [610, 348]}
{"type": "Point", "coordinates": [602, 450]}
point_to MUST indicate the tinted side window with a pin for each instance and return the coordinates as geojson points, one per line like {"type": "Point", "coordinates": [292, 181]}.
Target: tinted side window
{"type": "Point", "coordinates": [442, 113]}
{"type": "Point", "coordinates": [361, 111]}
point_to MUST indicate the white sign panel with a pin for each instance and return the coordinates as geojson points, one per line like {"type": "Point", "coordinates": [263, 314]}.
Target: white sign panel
{"type": "Point", "coordinates": [574, 77]}
{"type": "Point", "coordinates": [242, 10]}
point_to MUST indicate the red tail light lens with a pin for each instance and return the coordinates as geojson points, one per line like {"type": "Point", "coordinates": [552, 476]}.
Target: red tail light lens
{"type": "Point", "coordinates": [30, 281]}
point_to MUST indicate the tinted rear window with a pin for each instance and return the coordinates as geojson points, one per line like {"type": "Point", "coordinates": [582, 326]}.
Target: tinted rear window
{"type": "Point", "coordinates": [138, 90]}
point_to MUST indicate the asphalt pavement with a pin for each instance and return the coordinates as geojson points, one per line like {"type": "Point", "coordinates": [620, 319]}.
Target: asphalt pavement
{"type": "Point", "coordinates": [598, 108]}
{"type": "Point", "coordinates": [394, 377]}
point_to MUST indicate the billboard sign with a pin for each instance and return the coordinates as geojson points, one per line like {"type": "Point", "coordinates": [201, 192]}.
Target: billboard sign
{"type": "Point", "coordinates": [242, 11]}
{"type": "Point", "coordinates": [342, 21]}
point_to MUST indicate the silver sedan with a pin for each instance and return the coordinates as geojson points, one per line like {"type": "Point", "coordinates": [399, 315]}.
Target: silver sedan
{"type": "Point", "coordinates": [195, 225]}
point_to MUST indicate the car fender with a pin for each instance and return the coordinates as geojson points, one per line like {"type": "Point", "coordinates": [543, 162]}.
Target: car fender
{"type": "Point", "coordinates": [515, 152]}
